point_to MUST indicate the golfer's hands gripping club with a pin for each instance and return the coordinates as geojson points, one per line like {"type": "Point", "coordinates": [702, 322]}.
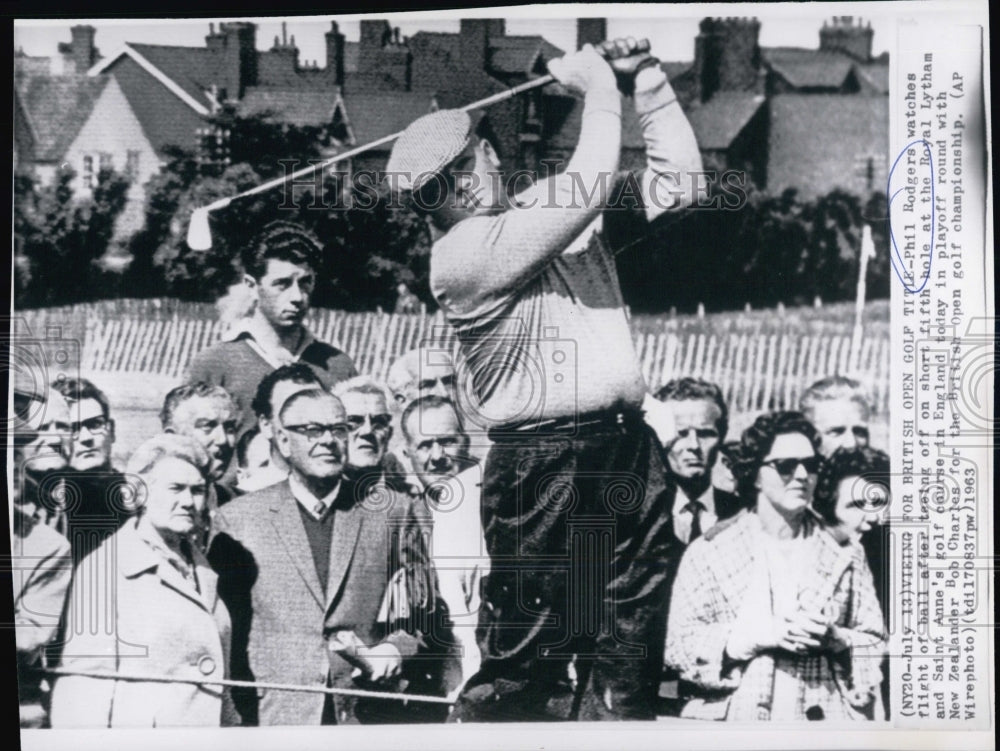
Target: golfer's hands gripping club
{"type": "Point", "coordinates": [589, 68]}
{"type": "Point", "coordinates": [583, 71]}
{"type": "Point", "coordinates": [627, 57]}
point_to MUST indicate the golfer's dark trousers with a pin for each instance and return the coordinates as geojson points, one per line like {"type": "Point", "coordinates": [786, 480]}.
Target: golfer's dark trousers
{"type": "Point", "coordinates": [579, 538]}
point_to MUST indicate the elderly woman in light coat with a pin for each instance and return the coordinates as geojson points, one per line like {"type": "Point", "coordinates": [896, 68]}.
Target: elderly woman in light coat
{"type": "Point", "coordinates": [774, 614]}
{"type": "Point", "coordinates": [145, 604]}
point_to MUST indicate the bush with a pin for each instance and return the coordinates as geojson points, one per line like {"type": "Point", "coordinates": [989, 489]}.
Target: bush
{"type": "Point", "coordinates": [773, 249]}
{"type": "Point", "coordinates": [59, 238]}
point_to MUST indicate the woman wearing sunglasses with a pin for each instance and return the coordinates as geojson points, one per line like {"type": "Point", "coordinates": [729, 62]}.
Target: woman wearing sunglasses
{"type": "Point", "coordinates": [774, 615]}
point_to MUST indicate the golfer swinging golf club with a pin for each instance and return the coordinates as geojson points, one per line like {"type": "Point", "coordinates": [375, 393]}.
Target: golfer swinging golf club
{"type": "Point", "coordinates": [572, 624]}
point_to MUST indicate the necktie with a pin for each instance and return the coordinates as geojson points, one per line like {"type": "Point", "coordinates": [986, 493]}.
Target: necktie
{"type": "Point", "coordinates": [319, 508]}
{"type": "Point", "coordinates": [695, 507]}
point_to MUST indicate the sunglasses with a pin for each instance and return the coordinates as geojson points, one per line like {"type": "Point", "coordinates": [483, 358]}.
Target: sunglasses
{"type": "Point", "coordinates": [788, 466]}
{"type": "Point", "coordinates": [380, 421]}
{"type": "Point", "coordinates": [314, 431]}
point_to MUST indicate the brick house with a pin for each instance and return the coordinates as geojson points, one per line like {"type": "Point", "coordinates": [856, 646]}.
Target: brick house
{"type": "Point", "coordinates": [808, 119]}
{"type": "Point", "coordinates": [80, 121]}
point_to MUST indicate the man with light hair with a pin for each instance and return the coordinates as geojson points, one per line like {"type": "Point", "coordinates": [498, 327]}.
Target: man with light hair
{"type": "Point", "coordinates": [208, 414]}
{"type": "Point", "coordinates": [421, 372]}
{"type": "Point", "coordinates": [838, 408]}
{"type": "Point", "coordinates": [438, 449]}
{"type": "Point", "coordinates": [42, 565]}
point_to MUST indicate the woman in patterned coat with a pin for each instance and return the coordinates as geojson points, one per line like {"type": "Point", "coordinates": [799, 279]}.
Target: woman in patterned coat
{"type": "Point", "coordinates": [774, 615]}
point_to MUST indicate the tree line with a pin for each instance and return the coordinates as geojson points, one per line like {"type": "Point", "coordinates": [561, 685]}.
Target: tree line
{"type": "Point", "coordinates": [771, 249]}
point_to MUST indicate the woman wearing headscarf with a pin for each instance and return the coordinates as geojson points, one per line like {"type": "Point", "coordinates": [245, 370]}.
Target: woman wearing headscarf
{"type": "Point", "coordinates": [774, 615]}
{"type": "Point", "coordinates": [144, 603]}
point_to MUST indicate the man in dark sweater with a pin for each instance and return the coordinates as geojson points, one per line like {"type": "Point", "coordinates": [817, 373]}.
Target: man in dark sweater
{"type": "Point", "coordinates": [280, 271]}
{"type": "Point", "coordinates": [99, 488]}
{"type": "Point", "coordinates": [328, 582]}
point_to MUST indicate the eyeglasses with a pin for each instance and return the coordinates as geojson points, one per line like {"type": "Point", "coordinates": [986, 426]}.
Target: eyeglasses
{"type": "Point", "coordinates": [98, 424]}
{"type": "Point", "coordinates": [314, 431]}
{"type": "Point", "coordinates": [379, 422]}
{"type": "Point", "coordinates": [788, 466]}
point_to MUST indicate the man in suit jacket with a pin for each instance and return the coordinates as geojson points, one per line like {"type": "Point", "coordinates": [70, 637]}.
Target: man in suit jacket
{"type": "Point", "coordinates": [701, 420]}
{"type": "Point", "coordinates": [41, 565]}
{"type": "Point", "coordinates": [315, 563]}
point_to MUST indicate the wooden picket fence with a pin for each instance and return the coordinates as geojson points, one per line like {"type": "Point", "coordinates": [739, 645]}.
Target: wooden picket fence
{"type": "Point", "coordinates": [755, 371]}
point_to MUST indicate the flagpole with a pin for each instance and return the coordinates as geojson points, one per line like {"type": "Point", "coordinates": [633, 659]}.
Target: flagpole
{"type": "Point", "coordinates": [867, 252]}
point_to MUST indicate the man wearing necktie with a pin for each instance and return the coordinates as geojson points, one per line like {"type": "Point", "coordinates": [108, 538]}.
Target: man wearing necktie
{"type": "Point", "coordinates": [701, 419]}
{"type": "Point", "coordinates": [327, 578]}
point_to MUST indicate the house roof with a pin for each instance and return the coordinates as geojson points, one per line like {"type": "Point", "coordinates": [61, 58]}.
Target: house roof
{"type": "Point", "coordinates": [717, 122]}
{"type": "Point", "coordinates": [812, 115]}
{"type": "Point", "coordinates": [294, 106]}
{"type": "Point", "coordinates": [194, 69]}
{"type": "Point", "coordinates": [507, 54]}
{"type": "Point", "coordinates": [876, 74]}
{"type": "Point", "coordinates": [805, 68]}
{"type": "Point", "coordinates": [517, 54]}
{"type": "Point", "coordinates": [373, 115]}
{"type": "Point", "coordinates": [56, 108]}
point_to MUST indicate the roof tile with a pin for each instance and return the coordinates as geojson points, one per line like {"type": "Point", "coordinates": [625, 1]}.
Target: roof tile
{"type": "Point", "coordinates": [57, 107]}
{"type": "Point", "coordinates": [717, 122]}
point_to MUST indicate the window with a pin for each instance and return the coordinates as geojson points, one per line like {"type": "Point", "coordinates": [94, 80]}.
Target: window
{"type": "Point", "coordinates": [105, 161]}
{"type": "Point", "coordinates": [88, 171]}
{"type": "Point", "coordinates": [132, 164]}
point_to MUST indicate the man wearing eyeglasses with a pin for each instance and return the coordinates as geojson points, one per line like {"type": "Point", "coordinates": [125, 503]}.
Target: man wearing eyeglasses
{"type": "Point", "coordinates": [98, 486]}
{"type": "Point", "coordinates": [370, 421]}
{"type": "Point", "coordinates": [45, 459]}
{"type": "Point", "coordinates": [41, 563]}
{"type": "Point", "coordinates": [327, 580]}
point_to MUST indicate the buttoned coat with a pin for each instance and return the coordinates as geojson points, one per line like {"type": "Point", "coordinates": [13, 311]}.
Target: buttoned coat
{"type": "Point", "coordinates": [714, 577]}
{"type": "Point", "coordinates": [282, 616]}
{"type": "Point", "coordinates": [41, 568]}
{"type": "Point", "coordinates": [132, 613]}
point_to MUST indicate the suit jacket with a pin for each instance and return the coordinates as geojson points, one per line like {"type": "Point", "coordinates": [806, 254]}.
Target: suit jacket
{"type": "Point", "coordinates": [151, 620]}
{"type": "Point", "coordinates": [727, 506]}
{"type": "Point", "coordinates": [282, 615]}
{"type": "Point", "coordinates": [716, 574]}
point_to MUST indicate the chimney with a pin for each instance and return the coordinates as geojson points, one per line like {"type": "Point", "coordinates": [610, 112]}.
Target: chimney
{"type": "Point", "coordinates": [841, 34]}
{"type": "Point", "coordinates": [726, 56]}
{"type": "Point", "coordinates": [215, 41]}
{"type": "Point", "coordinates": [591, 31]}
{"type": "Point", "coordinates": [335, 54]}
{"type": "Point", "coordinates": [84, 52]}
{"type": "Point", "coordinates": [239, 69]}
{"type": "Point", "coordinates": [474, 43]}
{"type": "Point", "coordinates": [286, 53]}
{"type": "Point", "coordinates": [374, 36]}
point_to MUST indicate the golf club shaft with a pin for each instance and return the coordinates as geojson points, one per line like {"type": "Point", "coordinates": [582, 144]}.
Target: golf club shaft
{"type": "Point", "coordinates": [485, 102]}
